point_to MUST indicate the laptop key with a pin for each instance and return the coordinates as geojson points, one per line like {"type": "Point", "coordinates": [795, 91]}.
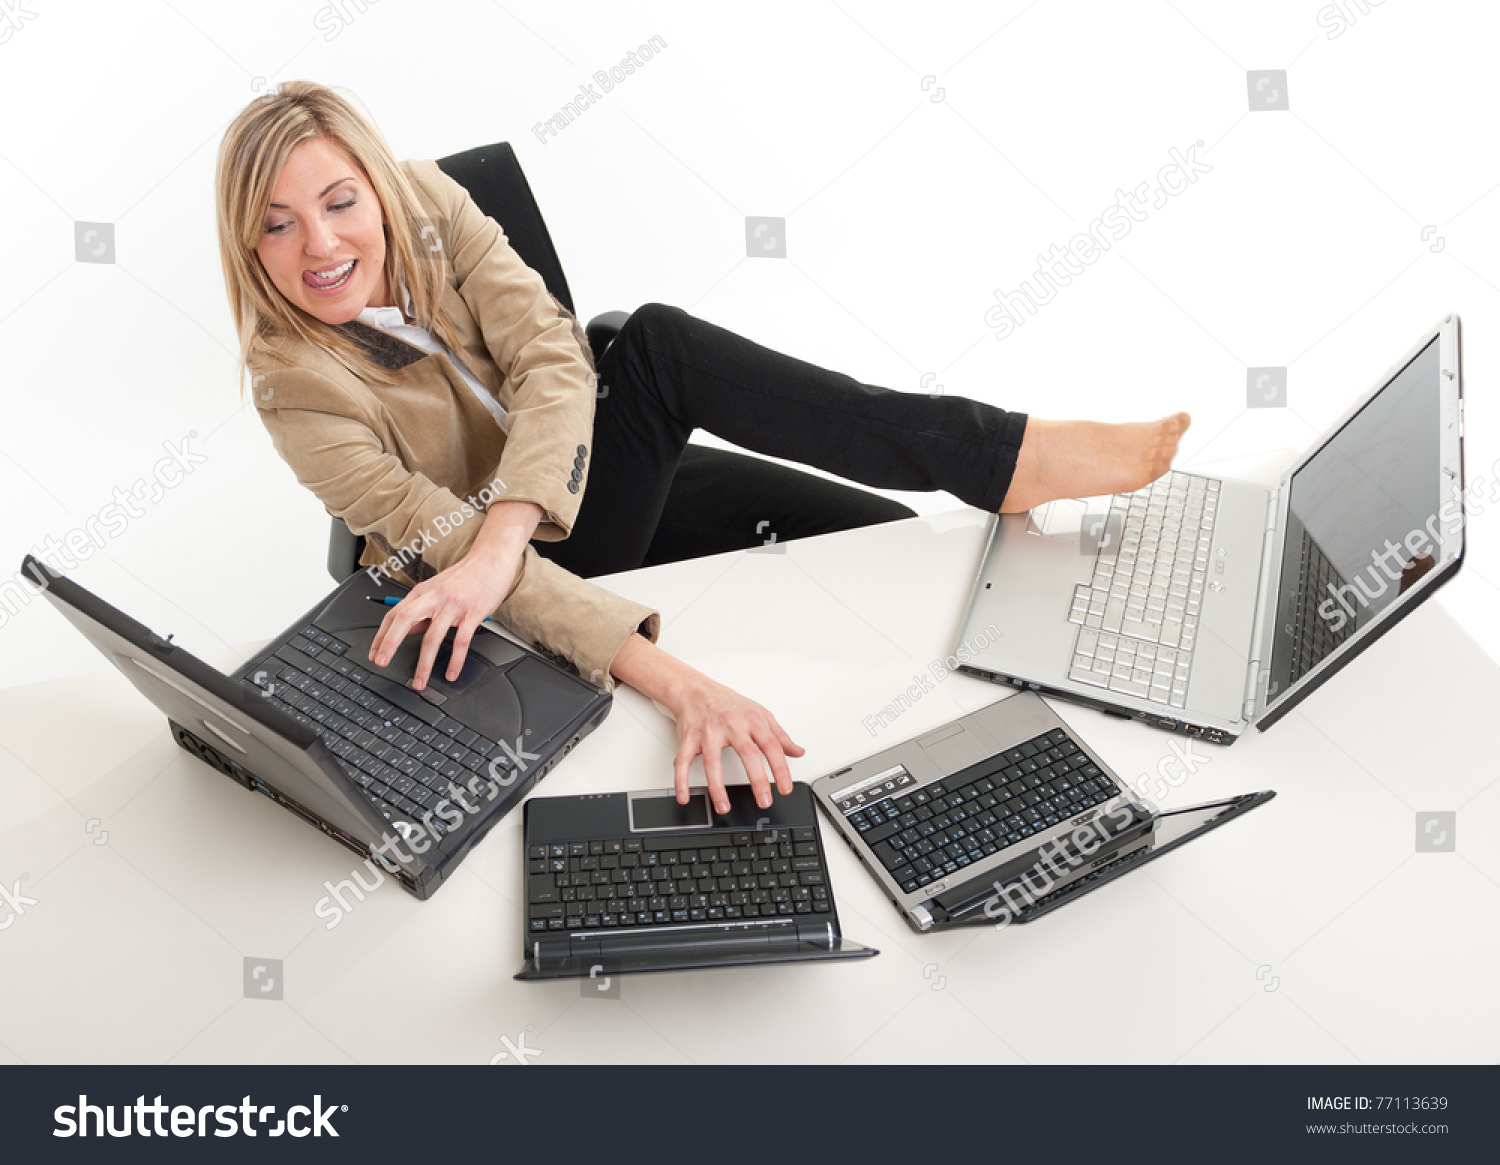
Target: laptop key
{"type": "Point", "coordinates": [542, 890]}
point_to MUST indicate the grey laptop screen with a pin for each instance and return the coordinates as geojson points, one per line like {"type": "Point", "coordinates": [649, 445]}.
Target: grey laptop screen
{"type": "Point", "coordinates": [1362, 521]}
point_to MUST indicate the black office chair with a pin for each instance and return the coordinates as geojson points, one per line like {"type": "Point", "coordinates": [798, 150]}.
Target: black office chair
{"type": "Point", "coordinates": [498, 186]}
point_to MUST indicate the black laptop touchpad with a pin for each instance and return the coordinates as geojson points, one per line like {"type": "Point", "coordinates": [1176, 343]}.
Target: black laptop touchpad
{"type": "Point", "coordinates": [403, 663]}
{"type": "Point", "coordinates": [475, 665]}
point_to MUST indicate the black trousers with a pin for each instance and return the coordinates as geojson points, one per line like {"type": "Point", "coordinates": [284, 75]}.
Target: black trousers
{"type": "Point", "coordinates": [652, 498]}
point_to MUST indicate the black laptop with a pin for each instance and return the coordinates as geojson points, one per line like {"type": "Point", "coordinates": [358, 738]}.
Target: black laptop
{"type": "Point", "coordinates": [411, 781]}
{"type": "Point", "coordinates": [625, 882]}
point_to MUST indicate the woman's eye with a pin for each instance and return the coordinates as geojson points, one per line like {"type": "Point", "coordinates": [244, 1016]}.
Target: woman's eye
{"type": "Point", "coordinates": [345, 205]}
{"type": "Point", "coordinates": [276, 228]}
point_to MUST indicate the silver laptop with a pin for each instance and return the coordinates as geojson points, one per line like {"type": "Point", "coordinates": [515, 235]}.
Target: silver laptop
{"type": "Point", "coordinates": [1001, 816]}
{"type": "Point", "coordinates": [1203, 604]}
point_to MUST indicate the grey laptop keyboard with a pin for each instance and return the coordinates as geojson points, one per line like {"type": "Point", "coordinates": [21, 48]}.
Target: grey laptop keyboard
{"type": "Point", "coordinates": [1139, 613]}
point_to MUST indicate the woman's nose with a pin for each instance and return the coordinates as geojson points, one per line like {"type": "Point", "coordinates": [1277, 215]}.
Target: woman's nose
{"type": "Point", "coordinates": [322, 239]}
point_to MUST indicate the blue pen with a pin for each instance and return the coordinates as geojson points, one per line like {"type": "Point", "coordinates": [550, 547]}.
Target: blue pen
{"type": "Point", "coordinates": [392, 600]}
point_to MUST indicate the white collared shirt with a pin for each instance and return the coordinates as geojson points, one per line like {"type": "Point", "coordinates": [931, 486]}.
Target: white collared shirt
{"type": "Point", "coordinates": [390, 319]}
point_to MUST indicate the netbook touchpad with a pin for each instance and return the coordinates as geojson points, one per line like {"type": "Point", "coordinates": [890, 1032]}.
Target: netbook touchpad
{"type": "Point", "coordinates": [953, 747]}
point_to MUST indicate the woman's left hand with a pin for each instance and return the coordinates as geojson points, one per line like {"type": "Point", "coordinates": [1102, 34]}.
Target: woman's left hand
{"type": "Point", "coordinates": [710, 718]}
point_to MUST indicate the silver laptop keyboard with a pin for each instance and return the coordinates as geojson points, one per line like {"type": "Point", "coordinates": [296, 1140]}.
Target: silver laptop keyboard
{"type": "Point", "coordinates": [1140, 611]}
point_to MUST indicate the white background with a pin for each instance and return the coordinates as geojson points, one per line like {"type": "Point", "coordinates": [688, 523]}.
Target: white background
{"type": "Point", "coordinates": [1302, 247]}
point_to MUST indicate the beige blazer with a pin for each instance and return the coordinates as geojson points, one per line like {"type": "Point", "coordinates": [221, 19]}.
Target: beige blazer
{"type": "Point", "coordinates": [412, 466]}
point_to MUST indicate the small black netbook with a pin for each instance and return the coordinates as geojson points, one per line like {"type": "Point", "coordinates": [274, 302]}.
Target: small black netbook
{"type": "Point", "coordinates": [624, 882]}
{"type": "Point", "coordinates": [410, 780]}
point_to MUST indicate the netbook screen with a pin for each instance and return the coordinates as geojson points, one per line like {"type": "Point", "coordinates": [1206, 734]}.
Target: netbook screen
{"type": "Point", "coordinates": [1362, 522]}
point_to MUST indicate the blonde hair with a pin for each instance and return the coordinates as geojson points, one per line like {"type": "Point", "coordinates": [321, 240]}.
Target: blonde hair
{"type": "Point", "coordinates": [255, 148]}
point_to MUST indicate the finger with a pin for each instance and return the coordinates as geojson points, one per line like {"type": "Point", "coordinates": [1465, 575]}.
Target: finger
{"type": "Point", "coordinates": [713, 768]}
{"type": "Point", "coordinates": [755, 765]}
{"type": "Point", "coordinates": [683, 765]}
{"type": "Point", "coordinates": [395, 636]}
{"type": "Point", "coordinates": [394, 628]}
{"type": "Point", "coordinates": [431, 641]}
{"type": "Point", "coordinates": [784, 738]}
{"type": "Point", "coordinates": [772, 748]}
{"type": "Point", "coordinates": [380, 634]}
{"type": "Point", "coordinates": [461, 639]}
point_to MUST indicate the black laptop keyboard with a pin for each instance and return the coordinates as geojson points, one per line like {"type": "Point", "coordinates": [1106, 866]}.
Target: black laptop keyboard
{"type": "Point", "coordinates": [689, 878]}
{"type": "Point", "coordinates": [407, 755]}
{"type": "Point", "coordinates": [923, 834]}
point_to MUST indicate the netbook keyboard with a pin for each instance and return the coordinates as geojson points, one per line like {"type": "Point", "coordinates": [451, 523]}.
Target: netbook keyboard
{"type": "Point", "coordinates": [407, 755]}
{"type": "Point", "coordinates": [1140, 611]}
{"type": "Point", "coordinates": [923, 833]}
{"type": "Point", "coordinates": [615, 883]}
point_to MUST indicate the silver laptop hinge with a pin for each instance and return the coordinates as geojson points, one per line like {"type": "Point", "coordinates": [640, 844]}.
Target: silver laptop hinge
{"type": "Point", "coordinates": [1265, 604]}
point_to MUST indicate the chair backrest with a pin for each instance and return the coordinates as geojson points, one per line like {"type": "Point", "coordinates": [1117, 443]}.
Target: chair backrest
{"type": "Point", "coordinates": [495, 181]}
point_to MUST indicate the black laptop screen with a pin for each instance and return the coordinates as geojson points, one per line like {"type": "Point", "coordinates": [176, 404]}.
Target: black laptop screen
{"type": "Point", "coordinates": [1362, 522]}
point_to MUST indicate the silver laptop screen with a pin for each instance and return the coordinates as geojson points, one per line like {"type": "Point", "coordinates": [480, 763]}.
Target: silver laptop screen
{"type": "Point", "coordinates": [1362, 522]}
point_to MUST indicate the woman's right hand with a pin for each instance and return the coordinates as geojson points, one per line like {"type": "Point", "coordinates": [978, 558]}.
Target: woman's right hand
{"type": "Point", "coordinates": [462, 596]}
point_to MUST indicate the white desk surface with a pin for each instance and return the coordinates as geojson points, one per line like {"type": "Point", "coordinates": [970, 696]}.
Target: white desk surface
{"type": "Point", "coordinates": [1310, 931]}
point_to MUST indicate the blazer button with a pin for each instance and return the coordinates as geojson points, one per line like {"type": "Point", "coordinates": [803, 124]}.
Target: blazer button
{"type": "Point", "coordinates": [577, 475]}
{"type": "Point", "coordinates": [583, 451]}
{"type": "Point", "coordinates": [578, 463]}
{"type": "Point", "coordinates": [572, 487]}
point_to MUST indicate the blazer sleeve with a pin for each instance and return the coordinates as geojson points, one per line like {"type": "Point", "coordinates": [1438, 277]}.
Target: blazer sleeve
{"type": "Point", "coordinates": [420, 528]}
{"type": "Point", "coordinates": [537, 345]}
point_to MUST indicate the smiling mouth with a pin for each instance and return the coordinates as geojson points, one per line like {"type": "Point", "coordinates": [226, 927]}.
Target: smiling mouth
{"type": "Point", "coordinates": [332, 279]}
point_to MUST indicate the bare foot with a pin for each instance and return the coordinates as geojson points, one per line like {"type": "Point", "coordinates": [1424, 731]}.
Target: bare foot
{"type": "Point", "coordinates": [1084, 459]}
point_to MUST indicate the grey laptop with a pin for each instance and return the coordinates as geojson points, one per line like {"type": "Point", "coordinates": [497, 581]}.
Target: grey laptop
{"type": "Point", "coordinates": [1204, 604]}
{"type": "Point", "coordinates": [1002, 816]}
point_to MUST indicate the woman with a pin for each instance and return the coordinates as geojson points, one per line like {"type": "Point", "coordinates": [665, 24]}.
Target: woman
{"type": "Point", "coordinates": [421, 381]}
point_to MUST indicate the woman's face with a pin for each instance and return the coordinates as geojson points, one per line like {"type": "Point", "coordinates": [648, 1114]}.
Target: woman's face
{"type": "Point", "coordinates": [321, 242]}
